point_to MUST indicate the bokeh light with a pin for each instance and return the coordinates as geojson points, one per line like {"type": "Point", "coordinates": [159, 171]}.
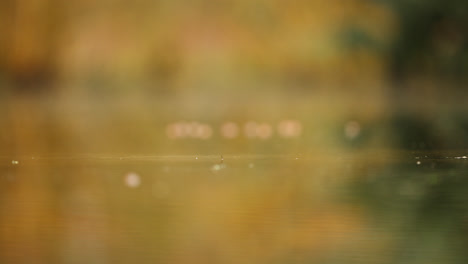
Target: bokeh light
{"type": "Point", "coordinates": [289, 128]}
{"type": "Point", "coordinates": [132, 180]}
{"type": "Point", "coordinates": [229, 130]}
{"type": "Point", "coordinates": [264, 131]}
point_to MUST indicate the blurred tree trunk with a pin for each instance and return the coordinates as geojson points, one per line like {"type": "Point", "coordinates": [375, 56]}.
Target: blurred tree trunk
{"type": "Point", "coordinates": [432, 44]}
{"type": "Point", "coordinates": [30, 35]}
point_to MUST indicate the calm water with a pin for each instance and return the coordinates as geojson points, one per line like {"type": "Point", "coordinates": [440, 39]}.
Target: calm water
{"type": "Point", "coordinates": [302, 180]}
{"type": "Point", "coordinates": [362, 207]}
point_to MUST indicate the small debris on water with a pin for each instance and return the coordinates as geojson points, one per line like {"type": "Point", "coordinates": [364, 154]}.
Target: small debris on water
{"type": "Point", "coordinates": [14, 162]}
{"type": "Point", "coordinates": [132, 180]}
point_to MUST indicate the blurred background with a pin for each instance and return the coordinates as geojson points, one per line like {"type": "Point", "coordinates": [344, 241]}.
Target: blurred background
{"type": "Point", "coordinates": [111, 75]}
{"type": "Point", "coordinates": [215, 131]}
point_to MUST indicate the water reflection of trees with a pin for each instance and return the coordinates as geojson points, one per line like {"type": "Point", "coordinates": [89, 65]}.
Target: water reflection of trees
{"type": "Point", "coordinates": [421, 202]}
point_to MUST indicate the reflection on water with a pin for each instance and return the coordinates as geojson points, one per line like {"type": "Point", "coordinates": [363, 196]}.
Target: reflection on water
{"type": "Point", "coordinates": [332, 208]}
{"type": "Point", "coordinates": [271, 182]}
{"type": "Point", "coordinates": [233, 131]}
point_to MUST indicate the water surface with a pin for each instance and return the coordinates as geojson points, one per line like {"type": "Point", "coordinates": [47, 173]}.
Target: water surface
{"type": "Point", "coordinates": [362, 207]}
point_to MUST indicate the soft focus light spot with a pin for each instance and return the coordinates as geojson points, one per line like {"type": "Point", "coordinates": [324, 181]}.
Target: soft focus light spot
{"type": "Point", "coordinates": [205, 131]}
{"type": "Point", "coordinates": [229, 130]}
{"type": "Point", "coordinates": [175, 130]}
{"type": "Point", "coordinates": [132, 180]}
{"type": "Point", "coordinates": [180, 129]}
{"type": "Point", "coordinates": [170, 131]}
{"type": "Point", "coordinates": [218, 167]}
{"type": "Point", "coordinates": [14, 162]}
{"type": "Point", "coordinates": [192, 129]}
{"type": "Point", "coordinates": [289, 128]}
{"type": "Point", "coordinates": [251, 165]}
{"type": "Point", "coordinates": [183, 129]}
{"type": "Point", "coordinates": [188, 129]}
{"type": "Point", "coordinates": [256, 130]}
{"type": "Point", "coordinates": [418, 162]}
{"type": "Point", "coordinates": [352, 129]}
{"type": "Point", "coordinates": [264, 131]}
{"type": "Point", "coordinates": [197, 130]}
{"type": "Point", "coordinates": [250, 129]}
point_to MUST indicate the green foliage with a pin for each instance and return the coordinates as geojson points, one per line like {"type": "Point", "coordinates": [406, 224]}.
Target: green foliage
{"type": "Point", "coordinates": [432, 38]}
